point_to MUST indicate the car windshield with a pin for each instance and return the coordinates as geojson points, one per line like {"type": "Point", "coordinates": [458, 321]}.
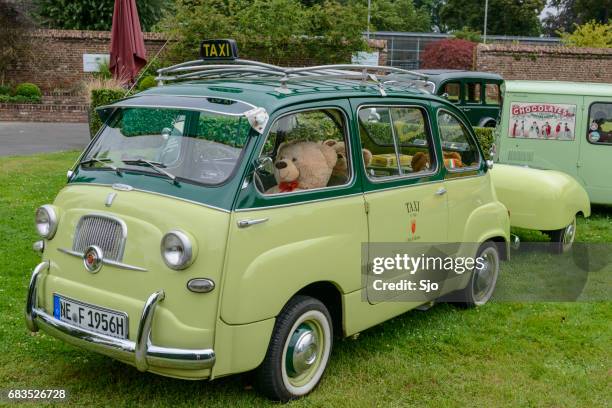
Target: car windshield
{"type": "Point", "coordinates": [178, 144]}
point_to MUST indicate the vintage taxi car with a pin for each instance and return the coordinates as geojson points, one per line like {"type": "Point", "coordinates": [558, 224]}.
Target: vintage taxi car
{"type": "Point", "coordinates": [173, 249]}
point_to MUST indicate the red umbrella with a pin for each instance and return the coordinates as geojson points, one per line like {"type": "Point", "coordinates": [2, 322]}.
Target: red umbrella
{"type": "Point", "coordinates": [127, 54]}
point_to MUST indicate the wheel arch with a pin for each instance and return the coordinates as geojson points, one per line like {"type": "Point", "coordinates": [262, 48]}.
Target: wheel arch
{"type": "Point", "coordinates": [330, 295]}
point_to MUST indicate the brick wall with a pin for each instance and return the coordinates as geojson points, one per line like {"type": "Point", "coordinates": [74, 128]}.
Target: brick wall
{"type": "Point", "coordinates": [545, 63]}
{"type": "Point", "coordinates": [57, 60]}
{"type": "Point", "coordinates": [43, 113]}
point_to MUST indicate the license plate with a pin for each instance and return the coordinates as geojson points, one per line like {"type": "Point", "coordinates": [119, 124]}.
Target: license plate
{"type": "Point", "coordinates": [90, 317]}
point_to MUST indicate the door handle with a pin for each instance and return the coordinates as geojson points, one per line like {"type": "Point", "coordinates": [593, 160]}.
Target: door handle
{"type": "Point", "coordinates": [441, 191]}
{"type": "Point", "coordinates": [248, 222]}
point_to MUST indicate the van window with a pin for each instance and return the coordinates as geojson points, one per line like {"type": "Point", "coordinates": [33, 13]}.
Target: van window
{"type": "Point", "coordinates": [458, 147]}
{"type": "Point", "coordinates": [321, 126]}
{"type": "Point", "coordinates": [472, 92]}
{"type": "Point", "coordinates": [453, 90]}
{"type": "Point", "coordinates": [396, 142]}
{"type": "Point", "coordinates": [600, 124]}
{"type": "Point", "coordinates": [492, 95]}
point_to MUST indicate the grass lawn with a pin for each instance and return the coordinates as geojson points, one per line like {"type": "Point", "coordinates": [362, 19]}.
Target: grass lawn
{"type": "Point", "coordinates": [504, 354]}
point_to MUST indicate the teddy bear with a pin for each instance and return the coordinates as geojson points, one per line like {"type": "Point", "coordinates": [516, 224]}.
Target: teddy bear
{"type": "Point", "coordinates": [420, 161]}
{"type": "Point", "coordinates": [302, 165]}
{"type": "Point", "coordinates": [340, 172]}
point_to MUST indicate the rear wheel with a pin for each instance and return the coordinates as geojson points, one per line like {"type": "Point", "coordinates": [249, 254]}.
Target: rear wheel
{"type": "Point", "coordinates": [563, 239]}
{"type": "Point", "coordinates": [484, 277]}
{"type": "Point", "coordinates": [299, 350]}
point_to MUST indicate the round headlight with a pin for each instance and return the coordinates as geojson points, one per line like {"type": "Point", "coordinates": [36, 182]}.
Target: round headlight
{"type": "Point", "coordinates": [177, 250]}
{"type": "Point", "coordinates": [46, 221]}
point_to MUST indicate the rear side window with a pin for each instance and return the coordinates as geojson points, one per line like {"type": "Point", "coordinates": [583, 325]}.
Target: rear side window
{"type": "Point", "coordinates": [492, 95]}
{"type": "Point", "coordinates": [396, 142]}
{"type": "Point", "coordinates": [600, 124]}
{"type": "Point", "coordinates": [472, 92]}
{"type": "Point", "coordinates": [453, 91]}
{"type": "Point", "coordinates": [459, 149]}
{"type": "Point", "coordinates": [305, 150]}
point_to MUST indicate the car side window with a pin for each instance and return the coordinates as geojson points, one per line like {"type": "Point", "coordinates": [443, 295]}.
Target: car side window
{"type": "Point", "coordinates": [492, 94]}
{"type": "Point", "coordinates": [472, 92]}
{"type": "Point", "coordinates": [459, 149]}
{"type": "Point", "coordinates": [305, 150]}
{"type": "Point", "coordinates": [395, 142]}
{"type": "Point", "coordinates": [453, 91]}
{"type": "Point", "coordinates": [600, 124]}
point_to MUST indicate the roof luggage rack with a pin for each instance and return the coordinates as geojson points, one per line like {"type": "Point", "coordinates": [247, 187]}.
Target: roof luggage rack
{"type": "Point", "coordinates": [246, 69]}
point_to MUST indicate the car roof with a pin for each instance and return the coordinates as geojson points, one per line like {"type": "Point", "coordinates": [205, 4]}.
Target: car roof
{"type": "Point", "coordinates": [266, 93]}
{"type": "Point", "coordinates": [439, 75]}
{"type": "Point", "coordinates": [559, 88]}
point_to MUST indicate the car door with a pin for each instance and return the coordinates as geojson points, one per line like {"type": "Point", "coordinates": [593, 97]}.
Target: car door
{"type": "Point", "coordinates": [596, 149]}
{"type": "Point", "coordinates": [282, 241]}
{"type": "Point", "coordinates": [405, 204]}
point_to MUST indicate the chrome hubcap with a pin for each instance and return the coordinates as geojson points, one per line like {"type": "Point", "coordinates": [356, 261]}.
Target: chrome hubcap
{"type": "Point", "coordinates": [302, 352]}
{"type": "Point", "coordinates": [569, 234]}
{"type": "Point", "coordinates": [485, 277]}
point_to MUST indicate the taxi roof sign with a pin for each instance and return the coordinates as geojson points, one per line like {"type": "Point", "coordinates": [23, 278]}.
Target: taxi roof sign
{"type": "Point", "coordinates": [218, 49]}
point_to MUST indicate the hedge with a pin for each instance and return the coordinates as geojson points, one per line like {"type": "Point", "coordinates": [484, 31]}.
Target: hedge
{"type": "Point", "coordinates": [101, 97]}
{"type": "Point", "coordinates": [28, 90]}
{"type": "Point", "coordinates": [485, 138]}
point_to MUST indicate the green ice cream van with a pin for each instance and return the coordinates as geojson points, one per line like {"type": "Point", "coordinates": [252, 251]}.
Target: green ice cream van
{"type": "Point", "coordinates": [563, 126]}
{"type": "Point", "coordinates": [215, 224]}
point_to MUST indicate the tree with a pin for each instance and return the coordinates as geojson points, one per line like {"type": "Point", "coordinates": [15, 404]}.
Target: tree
{"type": "Point", "coordinates": [506, 17]}
{"type": "Point", "coordinates": [326, 32]}
{"type": "Point", "coordinates": [396, 15]}
{"type": "Point", "coordinates": [571, 13]}
{"type": "Point", "coordinates": [15, 44]}
{"type": "Point", "coordinates": [432, 8]}
{"type": "Point", "coordinates": [590, 34]}
{"type": "Point", "coordinates": [450, 53]}
{"type": "Point", "coordinates": [93, 14]}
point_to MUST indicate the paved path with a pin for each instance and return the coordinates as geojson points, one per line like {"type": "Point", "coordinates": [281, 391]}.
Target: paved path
{"type": "Point", "coordinates": [21, 138]}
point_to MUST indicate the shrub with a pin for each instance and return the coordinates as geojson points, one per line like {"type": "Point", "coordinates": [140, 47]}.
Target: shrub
{"type": "Point", "coordinates": [485, 138]}
{"type": "Point", "coordinates": [28, 90]}
{"type": "Point", "coordinates": [590, 34]}
{"type": "Point", "coordinates": [451, 53]}
{"type": "Point", "coordinates": [5, 98]}
{"type": "Point", "coordinates": [5, 90]}
{"type": "Point", "coordinates": [101, 97]}
{"type": "Point", "coordinates": [147, 82]}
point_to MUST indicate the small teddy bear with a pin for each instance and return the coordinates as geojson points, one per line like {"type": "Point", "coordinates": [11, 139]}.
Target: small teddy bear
{"type": "Point", "coordinates": [420, 161]}
{"type": "Point", "coordinates": [340, 172]}
{"type": "Point", "coordinates": [302, 166]}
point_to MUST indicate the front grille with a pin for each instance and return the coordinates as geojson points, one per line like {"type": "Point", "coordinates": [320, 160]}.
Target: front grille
{"type": "Point", "coordinates": [105, 232]}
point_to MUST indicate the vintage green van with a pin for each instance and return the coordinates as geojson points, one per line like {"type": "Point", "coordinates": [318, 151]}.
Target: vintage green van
{"type": "Point", "coordinates": [477, 94]}
{"type": "Point", "coordinates": [173, 249]}
{"type": "Point", "coordinates": [564, 126]}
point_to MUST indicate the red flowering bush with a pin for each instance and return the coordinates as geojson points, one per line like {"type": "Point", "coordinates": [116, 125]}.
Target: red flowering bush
{"type": "Point", "coordinates": [451, 53]}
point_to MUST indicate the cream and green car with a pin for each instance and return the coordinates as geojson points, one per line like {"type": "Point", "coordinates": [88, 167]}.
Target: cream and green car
{"type": "Point", "coordinates": [165, 249]}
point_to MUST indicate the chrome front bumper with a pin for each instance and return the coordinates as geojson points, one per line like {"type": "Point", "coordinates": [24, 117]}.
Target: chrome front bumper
{"type": "Point", "coordinates": [142, 353]}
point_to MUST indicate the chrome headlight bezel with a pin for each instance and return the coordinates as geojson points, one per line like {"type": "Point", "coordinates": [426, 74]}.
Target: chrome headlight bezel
{"type": "Point", "coordinates": [49, 213]}
{"type": "Point", "coordinates": [177, 250]}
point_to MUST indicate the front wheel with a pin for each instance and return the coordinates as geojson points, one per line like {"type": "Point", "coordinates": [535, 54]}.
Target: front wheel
{"type": "Point", "coordinates": [484, 277]}
{"type": "Point", "coordinates": [562, 239]}
{"type": "Point", "coordinates": [299, 350]}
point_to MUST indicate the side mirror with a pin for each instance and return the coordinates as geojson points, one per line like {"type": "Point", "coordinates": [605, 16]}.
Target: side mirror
{"type": "Point", "coordinates": [444, 95]}
{"type": "Point", "coordinates": [489, 164]}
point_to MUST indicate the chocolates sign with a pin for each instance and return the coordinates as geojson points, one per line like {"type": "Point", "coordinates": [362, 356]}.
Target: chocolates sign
{"type": "Point", "coordinates": [546, 121]}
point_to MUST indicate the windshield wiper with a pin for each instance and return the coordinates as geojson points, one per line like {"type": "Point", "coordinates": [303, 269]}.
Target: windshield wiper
{"type": "Point", "coordinates": [103, 162]}
{"type": "Point", "coordinates": [157, 166]}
